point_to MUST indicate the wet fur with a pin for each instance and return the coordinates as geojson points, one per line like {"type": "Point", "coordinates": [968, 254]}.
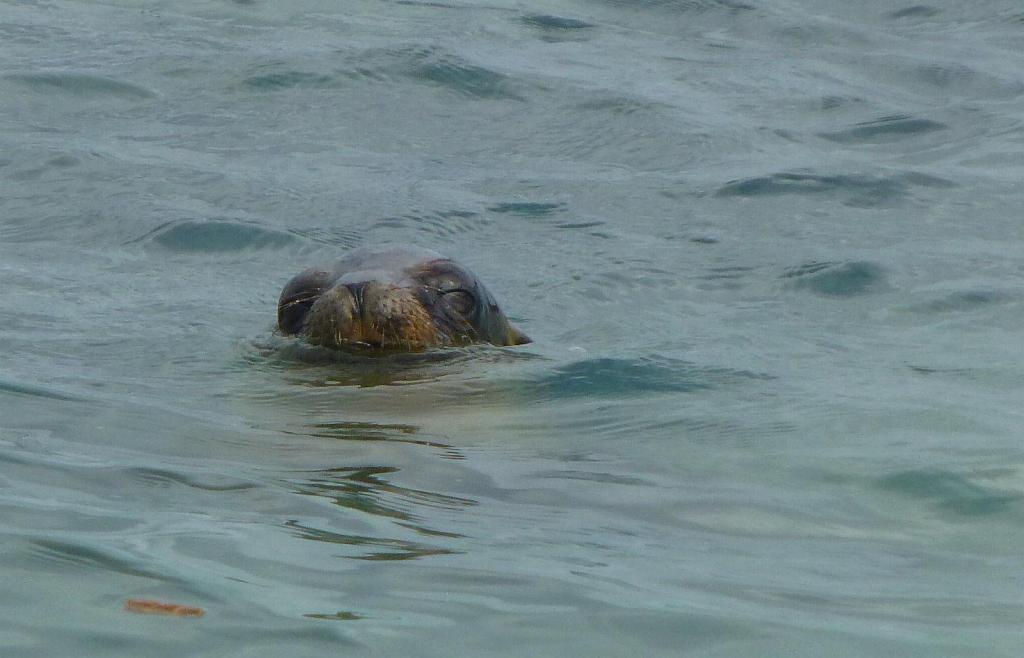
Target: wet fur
{"type": "Point", "coordinates": [429, 302]}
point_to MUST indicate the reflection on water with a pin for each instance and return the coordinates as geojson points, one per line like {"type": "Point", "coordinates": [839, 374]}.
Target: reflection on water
{"type": "Point", "coordinates": [362, 431]}
{"type": "Point", "coordinates": [363, 489]}
{"type": "Point", "coordinates": [369, 491]}
{"type": "Point", "coordinates": [387, 549]}
{"type": "Point", "coordinates": [313, 365]}
{"type": "Point", "coordinates": [341, 615]}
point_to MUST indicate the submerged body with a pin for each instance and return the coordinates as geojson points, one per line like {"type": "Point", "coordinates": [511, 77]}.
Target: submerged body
{"type": "Point", "coordinates": [393, 298]}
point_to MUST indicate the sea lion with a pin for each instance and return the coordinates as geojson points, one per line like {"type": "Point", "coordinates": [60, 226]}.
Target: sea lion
{"type": "Point", "coordinates": [393, 297]}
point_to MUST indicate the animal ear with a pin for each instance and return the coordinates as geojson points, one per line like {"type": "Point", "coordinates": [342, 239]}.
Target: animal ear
{"type": "Point", "coordinates": [516, 337]}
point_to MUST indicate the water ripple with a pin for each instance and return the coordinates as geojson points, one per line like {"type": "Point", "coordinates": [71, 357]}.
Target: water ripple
{"type": "Point", "coordinates": [439, 223]}
{"type": "Point", "coordinates": [854, 189]}
{"type": "Point", "coordinates": [554, 29]}
{"type": "Point", "coordinates": [21, 388]}
{"type": "Point", "coordinates": [951, 493]}
{"type": "Point", "coordinates": [914, 11]}
{"type": "Point", "coordinates": [393, 549]}
{"type": "Point", "coordinates": [366, 489]}
{"type": "Point", "coordinates": [85, 557]}
{"type": "Point", "coordinates": [437, 67]}
{"type": "Point", "coordinates": [390, 432]}
{"type": "Point", "coordinates": [686, 6]}
{"type": "Point", "coordinates": [838, 279]}
{"type": "Point", "coordinates": [163, 477]}
{"type": "Point", "coordinates": [215, 236]}
{"type": "Point", "coordinates": [885, 129]}
{"type": "Point", "coordinates": [290, 80]}
{"type": "Point", "coordinates": [81, 84]}
{"type": "Point", "coordinates": [965, 301]}
{"type": "Point", "coordinates": [527, 209]}
{"type": "Point", "coordinates": [464, 78]}
{"type": "Point", "coordinates": [632, 377]}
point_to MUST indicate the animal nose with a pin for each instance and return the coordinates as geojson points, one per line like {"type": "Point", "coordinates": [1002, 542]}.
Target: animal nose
{"type": "Point", "coordinates": [335, 318]}
{"type": "Point", "coordinates": [358, 292]}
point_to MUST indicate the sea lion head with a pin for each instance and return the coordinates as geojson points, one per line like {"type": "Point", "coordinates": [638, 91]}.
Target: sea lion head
{"type": "Point", "coordinates": [393, 298]}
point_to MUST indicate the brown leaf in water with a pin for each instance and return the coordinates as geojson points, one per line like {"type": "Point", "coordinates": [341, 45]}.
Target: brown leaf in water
{"type": "Point", "coordinates": [149, 607]}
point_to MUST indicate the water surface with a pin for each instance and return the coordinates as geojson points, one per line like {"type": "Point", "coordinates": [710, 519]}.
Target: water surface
{"type": "Point", "coordinates": [770, 255]}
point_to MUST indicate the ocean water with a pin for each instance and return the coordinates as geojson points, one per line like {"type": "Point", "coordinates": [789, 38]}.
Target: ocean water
{"type": "Point", "coordinates": [771, 255]}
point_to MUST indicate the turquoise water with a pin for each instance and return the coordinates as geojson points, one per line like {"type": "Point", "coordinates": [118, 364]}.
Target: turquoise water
{"type": "Point", "coordinates": [770, 253]}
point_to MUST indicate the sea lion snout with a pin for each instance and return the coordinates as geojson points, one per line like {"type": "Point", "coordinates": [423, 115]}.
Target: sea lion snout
{"type": "Point", "coordinates": [334, 318]}
{"type": "Point", "coordinates": [371, 314]}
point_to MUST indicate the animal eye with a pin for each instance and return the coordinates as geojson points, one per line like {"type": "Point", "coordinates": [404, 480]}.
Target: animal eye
{"type": "Point", "coordinates": [460, 299]}
{"type": "Point", "coordinates": [291, 311]}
